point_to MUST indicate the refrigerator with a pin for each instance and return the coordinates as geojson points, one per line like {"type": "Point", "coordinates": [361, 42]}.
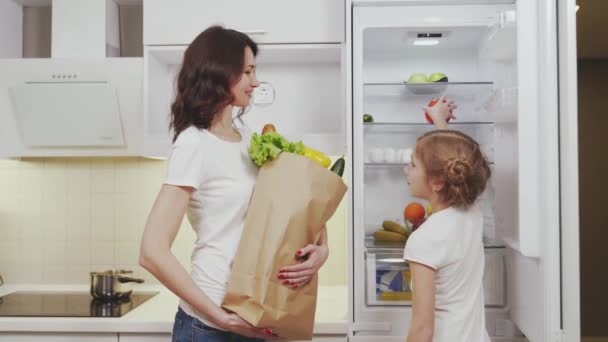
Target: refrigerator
{"type": "Point", "coordinates": [511, 68]}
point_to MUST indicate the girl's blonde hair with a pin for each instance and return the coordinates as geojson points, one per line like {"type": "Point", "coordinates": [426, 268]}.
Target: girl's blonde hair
{"type": "Point", "coordinates": [455, 159]}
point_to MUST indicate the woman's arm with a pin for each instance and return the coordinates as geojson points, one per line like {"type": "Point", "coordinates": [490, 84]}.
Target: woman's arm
{"type": "Point", "coordinates": [423, 305]}
{"type": "Point", "coordinates": [161, 228]}
{"type": "Point", "coordinates": [300, 274]}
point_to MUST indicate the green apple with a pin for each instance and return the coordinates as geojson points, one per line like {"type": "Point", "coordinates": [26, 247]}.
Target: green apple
{"type": "Point", "coordinates": [438, 77]}
{"type": "Point", "coordinates": [417, 78]}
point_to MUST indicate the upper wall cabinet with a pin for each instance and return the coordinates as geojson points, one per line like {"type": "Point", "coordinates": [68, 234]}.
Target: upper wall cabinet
{"type": "Point", "coordinates": [266, 21]}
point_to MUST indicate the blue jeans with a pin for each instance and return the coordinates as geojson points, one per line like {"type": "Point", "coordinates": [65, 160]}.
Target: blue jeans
{"type": "Point", "coordinates": [189, 329]}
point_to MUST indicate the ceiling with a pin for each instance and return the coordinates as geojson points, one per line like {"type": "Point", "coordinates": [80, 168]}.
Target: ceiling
{"type": "Point", "coordinates": [592, 29]}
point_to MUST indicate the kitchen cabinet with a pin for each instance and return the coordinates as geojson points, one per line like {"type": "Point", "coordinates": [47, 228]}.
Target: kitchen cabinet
{"type": "Point", "coordinates": [299, 63]}
{"type": "Point", "coordinates": [58, 337]}
{"type": "Point", "coordinates": [306, 80]}
{"type": "Point", "coordinates": [143, 337]}
{"type": "Point", "coordinates": [267, 21]}
{"type": "Point", "coordinates": [117, 337]}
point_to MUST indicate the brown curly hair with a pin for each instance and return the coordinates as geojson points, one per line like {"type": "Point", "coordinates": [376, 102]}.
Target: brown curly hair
{"type": "Point", "coordinates": [212, 64]}
{"type": "Point", "coordinates": [455, 159]}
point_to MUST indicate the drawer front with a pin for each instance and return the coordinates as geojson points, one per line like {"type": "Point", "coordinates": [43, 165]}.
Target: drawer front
{"type": "Point", "coordinates": [266, 21]}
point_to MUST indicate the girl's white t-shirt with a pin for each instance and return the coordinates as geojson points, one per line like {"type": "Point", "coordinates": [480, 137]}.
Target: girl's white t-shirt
{"type": "Point", "coordinates": [450, 242]}
{"type": "Point", "coordinates": [223, 176]}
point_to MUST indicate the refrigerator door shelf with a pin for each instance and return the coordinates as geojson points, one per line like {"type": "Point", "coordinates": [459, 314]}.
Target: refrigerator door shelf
{"type": "Point", "coordinates": [388, 278]}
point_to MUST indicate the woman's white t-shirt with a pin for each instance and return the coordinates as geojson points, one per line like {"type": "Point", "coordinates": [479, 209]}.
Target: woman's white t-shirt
{"type": "Point", "coordinates": [450, 242]}
{"type": "Point", "coordinates": [223, 176]}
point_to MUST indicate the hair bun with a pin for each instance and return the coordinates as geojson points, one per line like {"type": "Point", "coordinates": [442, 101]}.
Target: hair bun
{"type": "Point", "coordinates": [457, 171]}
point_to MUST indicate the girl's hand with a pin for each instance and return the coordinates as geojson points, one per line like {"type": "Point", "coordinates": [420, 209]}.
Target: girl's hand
{"type": "Point", "coordinates": [441, 112]}
{"type": "Point", "coordinates": [234, 323]}
{"type": "Point", "coordinates": [300, 274]}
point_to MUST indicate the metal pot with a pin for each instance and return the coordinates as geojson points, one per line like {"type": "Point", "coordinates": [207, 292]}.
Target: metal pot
{"type": "Point", "coordinates": [108, 285]}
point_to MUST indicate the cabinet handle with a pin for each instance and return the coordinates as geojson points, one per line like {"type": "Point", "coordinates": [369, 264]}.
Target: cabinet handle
{"type": "Point", "coordinates": [253, 32]}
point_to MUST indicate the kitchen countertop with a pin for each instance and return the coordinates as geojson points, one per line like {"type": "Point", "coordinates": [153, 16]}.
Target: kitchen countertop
{"type": "Point", "coordinates": [156, 314]}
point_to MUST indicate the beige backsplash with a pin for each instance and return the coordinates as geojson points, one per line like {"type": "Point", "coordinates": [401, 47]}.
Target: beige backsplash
{"type": "Point", "coordinates": [63, 217]}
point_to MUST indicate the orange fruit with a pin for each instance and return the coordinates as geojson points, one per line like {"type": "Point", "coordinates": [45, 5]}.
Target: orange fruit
{"type": "Point", "coordinates": [414, 212]}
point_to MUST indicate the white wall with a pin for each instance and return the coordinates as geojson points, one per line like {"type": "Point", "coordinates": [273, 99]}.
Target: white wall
{"type": "Point", "coordinates": [63, 217]}
{"type": "Point", "coordinates": [11, 17]}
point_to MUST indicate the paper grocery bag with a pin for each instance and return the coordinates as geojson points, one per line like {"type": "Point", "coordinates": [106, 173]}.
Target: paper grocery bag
{"type": "Point", "coordinates": [293, 198]}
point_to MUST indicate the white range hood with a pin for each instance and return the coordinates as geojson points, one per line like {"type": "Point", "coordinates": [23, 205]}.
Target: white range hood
{"type": "Point", "coordinates": [80, 102]}
{"type": "Point", "coordinates": [68, 114]}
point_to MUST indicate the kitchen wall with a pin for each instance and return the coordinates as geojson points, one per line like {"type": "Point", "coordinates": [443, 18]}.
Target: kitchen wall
{"type": "Point", "coordinates": [63, 217]}
{"type": "Point", "coordinates": [11, 41]}
{"type": "Point", "coordinates": [593, 188]}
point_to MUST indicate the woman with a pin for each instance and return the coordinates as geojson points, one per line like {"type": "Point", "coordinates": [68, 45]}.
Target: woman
{"type": "Point", "coordinates": [210, 177]}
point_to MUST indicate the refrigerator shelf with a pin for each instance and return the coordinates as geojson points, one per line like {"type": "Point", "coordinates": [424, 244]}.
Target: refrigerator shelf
{"type": "Point", "coordinates": [449, 89]}
{"type": "Point", "coordinates": [430, 84]}
{"type": "Point", "coordinates": [394, 164]}
{"type": "Point", "coordinates": [380, 124]}
{"type": "Point", "coordinates": [386, 164]}
{"type": "Point", "coordinates": [392, 248]}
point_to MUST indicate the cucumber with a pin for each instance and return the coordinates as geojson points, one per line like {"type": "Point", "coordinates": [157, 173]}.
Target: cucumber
{"type": "Point", "coordinates": [338, 167]}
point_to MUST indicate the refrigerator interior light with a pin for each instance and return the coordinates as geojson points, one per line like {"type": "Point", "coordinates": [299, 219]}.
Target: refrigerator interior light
{"type": "Point", "coordinates": [426, 42]}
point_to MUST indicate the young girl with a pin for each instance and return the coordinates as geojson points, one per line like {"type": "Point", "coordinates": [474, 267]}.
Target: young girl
{"type": "Point", "coordinates": [210, 178]}
{"type": "Point", "coordinates": [446, 254]}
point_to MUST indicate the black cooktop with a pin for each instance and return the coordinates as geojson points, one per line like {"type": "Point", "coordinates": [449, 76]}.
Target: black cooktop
{"type": "Point", "coordinates": [67, 304]}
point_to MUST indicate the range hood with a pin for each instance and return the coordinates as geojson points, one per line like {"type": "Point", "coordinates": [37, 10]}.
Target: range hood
{"type": "Point", "coordinates": [83, 101]}
{"type": "Point", "coordinates": [67, 114]}
{"type": "Point", "coordinates": [71, 107]}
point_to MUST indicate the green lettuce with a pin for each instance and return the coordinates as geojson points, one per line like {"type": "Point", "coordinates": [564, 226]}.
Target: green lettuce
{"type": "Point", "coordinates": [270, 145]}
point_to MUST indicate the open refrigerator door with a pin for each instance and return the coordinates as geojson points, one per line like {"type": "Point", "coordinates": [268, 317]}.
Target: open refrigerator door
{"type": "Point", "coordinates": [490, 59]}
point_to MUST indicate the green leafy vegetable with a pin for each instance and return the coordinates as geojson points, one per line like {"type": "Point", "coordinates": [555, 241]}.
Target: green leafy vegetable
{"type": "Point", "coordinates": [270, 145]}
